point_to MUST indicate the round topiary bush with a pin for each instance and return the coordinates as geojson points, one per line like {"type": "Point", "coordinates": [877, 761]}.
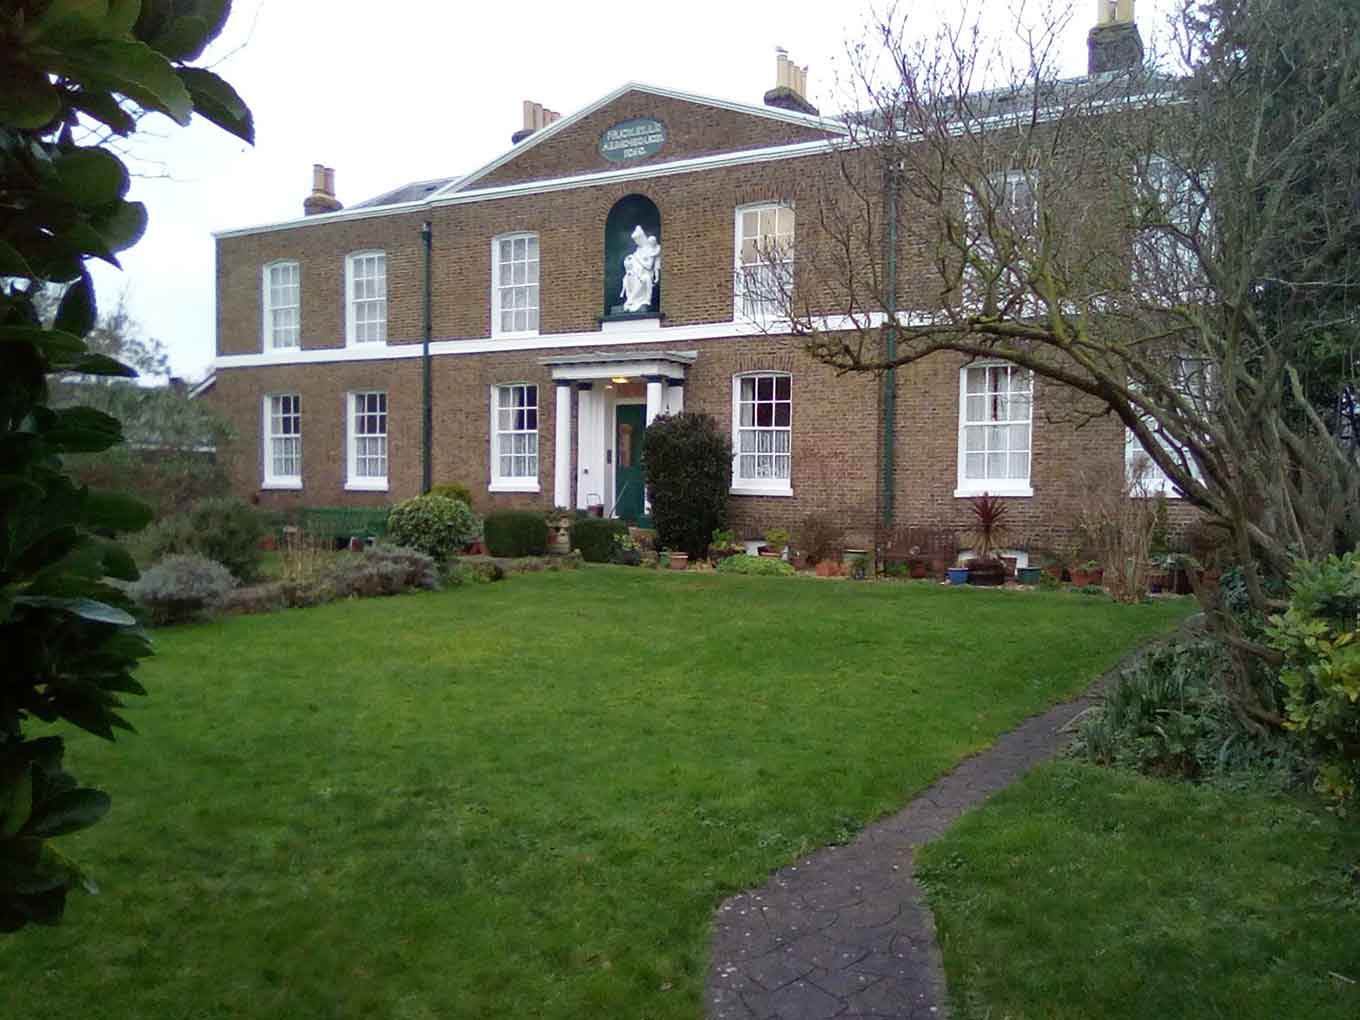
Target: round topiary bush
{"type": "Point", "coordinates": [435, 525]}
{"type": "Point", "coordinates": [687, 460]}
{"type": "Point", "coordinates": [180, 587]}
{"type": "Point", "coordinates": [516, 533]}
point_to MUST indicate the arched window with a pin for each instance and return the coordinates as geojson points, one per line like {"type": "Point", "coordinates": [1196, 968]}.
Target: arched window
{"type": "Point", "coordinates": [632, 258]}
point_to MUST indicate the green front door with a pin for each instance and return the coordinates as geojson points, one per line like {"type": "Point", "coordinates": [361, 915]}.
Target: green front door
{"type": "Point", "coordinates": [629, 421]}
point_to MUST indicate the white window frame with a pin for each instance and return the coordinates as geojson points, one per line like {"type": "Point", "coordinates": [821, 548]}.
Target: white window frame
{"type": "Point", "coordinates": [741, 313]}
{"type": "Point", "coordinates": [497, 285]}
{"type": "Point", "coordinates": [367, 483]}
{"type": "Point", "coordinates": [1159, 257]}
{"type": "Point", "coordinates": [514, 483]}
{"type": "Point", "coordinates": [268, 436]}
{"type": "Point", "coordinates": [746, 486]}
{"type": "Point", "coordinates": [998, 486]}
{"type": "Point", "coordinates": [1003, 182]}
{"type": "Point", "coordinates": [269, 340]}
{"type": "Point", "coordinates": [351, 319]}
{"type": "Point", "coordinates": [1193, 380]}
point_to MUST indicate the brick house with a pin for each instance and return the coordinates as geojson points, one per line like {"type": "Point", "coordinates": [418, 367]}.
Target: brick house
{"type": "Point", "coordinates": [545, 372]}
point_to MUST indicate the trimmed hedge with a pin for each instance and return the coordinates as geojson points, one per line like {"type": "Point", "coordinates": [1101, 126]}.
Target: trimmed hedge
{"type": "Point", "coordinates": [763, 566]}
{"type": "Point", "coordinates": [515, 533]}
{"type": "Point", "coordinates": [687, 459]}
{"type": "Point", "coordinates": [595, 537]}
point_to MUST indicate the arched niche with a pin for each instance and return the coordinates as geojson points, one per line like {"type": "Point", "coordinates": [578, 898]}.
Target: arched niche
{"type": "Point", "coordinates": [629, 214]}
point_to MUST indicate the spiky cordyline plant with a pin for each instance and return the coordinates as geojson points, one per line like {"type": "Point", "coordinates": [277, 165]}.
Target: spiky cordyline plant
{"type": "Point", "coordinates": [988, 533]}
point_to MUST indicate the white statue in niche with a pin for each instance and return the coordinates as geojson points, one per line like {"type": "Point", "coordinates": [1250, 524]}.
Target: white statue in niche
{"type": "Point", "coordinates": [641, 270]}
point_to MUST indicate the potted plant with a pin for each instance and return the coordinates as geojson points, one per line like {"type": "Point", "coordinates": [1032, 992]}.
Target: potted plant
{"type": "Point", "coordinates": [957, 575]}
{"type": "Point", "coordinates": [987, 535]}
{"type": "Point", "coordinates": [679, 561]}
{"type": "Point", "coordinates": [776, 542]}
{"type": "Point", "coordinates": [559, 530]}
{"type": "Point", "coordinates": [723, 545]}
{"type": "Point", "coordinates": [859, 566]}
{"type": "Point", "coordinates": [918, 566]}
{"type": "Point", "coordinates": [1028, 575]}
{"type": "Point", "coordinates": [1086, 573]}
{"type": "Point", "coordinates": [828, 568]}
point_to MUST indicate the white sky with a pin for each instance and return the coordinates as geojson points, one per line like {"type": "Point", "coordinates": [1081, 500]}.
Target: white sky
{"type": "Point", "coordinates": [401, 90]}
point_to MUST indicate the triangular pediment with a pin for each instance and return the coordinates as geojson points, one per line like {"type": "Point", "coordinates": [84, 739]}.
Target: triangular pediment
{"type": "Point", "coordinates": [637, 125]}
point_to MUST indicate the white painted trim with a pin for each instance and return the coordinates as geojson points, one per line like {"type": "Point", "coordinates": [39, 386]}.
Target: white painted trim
{"type": "Point", "coordinates": [513, 483]}
{"type": "Point", "coordinates": [281, 486]}
{"type": "Point", "coordinates": [203, 387]}
{"type": "Point", "coordinates": [350, 341]}
{"type": "Point", "coordinates": [755, 486]}
{"type": "Point", "coordinates": [562, 445]}
{"type": "Point", "coordinates": [965, 487]}
{"type": "Point", "coordinates": [496, 284]}
{"type": "Point", "coordinates": [736, 249]}
{"type": "Point", "coordinates": [269, 480]}
{"type": "Point", "coordinates": [562, 124]}
{"type": "Point", "coordinates": [267, 308]}
{"type": "Point", "coordinates": [544, 341]}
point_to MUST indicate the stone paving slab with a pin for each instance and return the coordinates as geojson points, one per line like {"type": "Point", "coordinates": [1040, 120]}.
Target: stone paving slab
{"type": "Point", "coordinates": [847, 932]}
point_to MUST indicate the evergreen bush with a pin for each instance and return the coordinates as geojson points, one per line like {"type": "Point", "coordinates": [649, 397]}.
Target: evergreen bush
{"type": "Point", "coordinates": [435, 525]}
{"type": "Point", "coordinates": [596, 537]}
{"type": "Point", "coordinates": [516, 533]}
{"type": "Point", "coordinates": [452, 490]}
{"type": "Point", "coordinates": [227, 531]}
{"type": "Point", "coordinates": [182, 587]}
{"type": "Point", "coordinates": [382, 570]}
{"type": "Point", "coordinates": [687, 461]}
{"type": "Point", "coordinates": [757, 566]}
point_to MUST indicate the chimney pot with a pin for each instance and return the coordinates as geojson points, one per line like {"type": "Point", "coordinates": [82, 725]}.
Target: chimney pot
{"type": "Point", "coordinates": [790, 89]}
{"type": "Point", "coordinates": [1114, 43]}
{"type": "Point", "coordinates": [536, 117]}
{"type": "Point", "coordinates": [322, 199]}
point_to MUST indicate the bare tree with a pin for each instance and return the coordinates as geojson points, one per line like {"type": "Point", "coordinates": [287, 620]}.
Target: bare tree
{"type": "Point", "coordinates": [1167, 242]}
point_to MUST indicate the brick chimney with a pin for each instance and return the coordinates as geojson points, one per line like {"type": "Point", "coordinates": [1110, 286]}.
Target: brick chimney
{"type": "Point", "coordinates": [535, 116]}
{"type": "Point", "coordinates": [790, 85]}
{"type": "Point", "coordinates": [322, 199]}
{"type": "Point", "coordinates": [1114, 43]}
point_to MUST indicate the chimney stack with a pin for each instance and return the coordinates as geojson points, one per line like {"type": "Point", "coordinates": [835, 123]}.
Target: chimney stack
{"type": "Point", "coordinates": [536, 116]}
{"type": "Point", "coordinates": [322, 199]}
{"type": "Point", "coordinates": [1114, 44]}
{"type": "Point", "coordinates": [790, 85]}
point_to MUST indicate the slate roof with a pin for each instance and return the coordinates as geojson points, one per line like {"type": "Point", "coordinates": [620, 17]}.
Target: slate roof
{"type": "Point", "coordinates": [412, 192]}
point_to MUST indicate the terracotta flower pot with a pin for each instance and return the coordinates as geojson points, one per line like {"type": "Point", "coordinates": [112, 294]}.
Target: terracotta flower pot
{"type": "Point", "coordinates": [679, 561]}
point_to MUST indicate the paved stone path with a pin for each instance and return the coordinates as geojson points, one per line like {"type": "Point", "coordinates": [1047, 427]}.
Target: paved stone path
{"type": "Point", "coordinates": [847, 932]}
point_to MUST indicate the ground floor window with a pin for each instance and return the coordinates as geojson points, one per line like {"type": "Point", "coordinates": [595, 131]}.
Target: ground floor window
{"type": "Point", "coordinates": [996, 405]}
{"type": "Point", "coordinates": [762, 432]}
{"type": "Point", "coordinates": [368, 440]}
{"type": "Point", "coordinates": [514, 436]}
{"type": "Point", "coordinates": [283, 440]}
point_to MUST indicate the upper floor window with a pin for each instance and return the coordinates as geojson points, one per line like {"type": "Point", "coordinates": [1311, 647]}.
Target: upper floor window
{"type": "Point", "coordinates": [762, 432]}
{"type": "Point", "coordinates": [282, 304]}
{"type": "Point", "coordinates": [283, 441]}
{"type": "Point", "coordinates": [764, 271]}
{"type": "Point", "coordinates": [1191, 379]}
{"type": "Point", "coordinates": [514, 284]}
{"type": "Point", "coordinates": [1001, 223]}
{"type": "Point", "coordinates": [514, 437]}
{"type": "Point", "coordinates": [366, 297]}
{"type": "Point", "coordinates": [367, 460]}
{"type": "Point", "coordinates": [996, 413]}
{"type": "Point", "coordinates": [1174, 227]}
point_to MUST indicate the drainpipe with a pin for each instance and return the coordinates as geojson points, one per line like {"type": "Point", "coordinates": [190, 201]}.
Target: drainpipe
{"type": "Point", "coordinates": [890, 335]}
{"type": "Point", "coordinates": [427, 419]}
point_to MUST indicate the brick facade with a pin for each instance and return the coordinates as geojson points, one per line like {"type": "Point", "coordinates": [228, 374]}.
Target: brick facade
{"type": "Point", "coordinates": [836, 420]}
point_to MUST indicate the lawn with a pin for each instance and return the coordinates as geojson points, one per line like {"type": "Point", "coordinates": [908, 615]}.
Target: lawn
{"type": "Point", "coordinates": [521, 799]}
{"type": "Point", "coordinates": [1083, 892]}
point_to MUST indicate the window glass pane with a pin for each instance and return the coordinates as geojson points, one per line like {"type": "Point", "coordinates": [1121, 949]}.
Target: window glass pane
{"type": "Point", "coordinates": [1019, 437]}
{"type": "Point", "coordinates": [996, 465]}
{"type": "Point", "coordinates": [973, 439]}
{"type": "Point", "coordinates": [974, 466]}
{"type": "Point", "coordinates": [781, 415]}
{"type": "Point", "coordinates": [977, 408]}
{"type": "Point", "coordinates": [1019, 466]}
{"type": "Point", "coordinates": [782, 386]}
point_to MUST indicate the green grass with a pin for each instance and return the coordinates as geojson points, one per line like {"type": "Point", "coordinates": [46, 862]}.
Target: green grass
{"type": "Point", "coordinates": [521, 799]}
{"type": "Point", "coordinates": [1084, 892]}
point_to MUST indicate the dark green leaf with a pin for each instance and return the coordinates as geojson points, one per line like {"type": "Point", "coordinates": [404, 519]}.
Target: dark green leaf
{"type": "Point", "coordinates": [116, 511]}
{"type": "Point", "coordinates": [184, 38]}
{"type": "Point", "coordinates": [16, 802]}
{"type": "Point", "coordinates": [122, 226]}
{"type": "Point", "coordinates": [132, 68]}
{"type": "Point", "coordinates": [46, 549]}
{"type": "Point", "coordinates": [27, 99]}
{"type": "Point", "coordinates": [11, 262]}
{"type": "Point", "coordinates": [83, 430]}
{"type": "Point", "coordinates": [49, 341]}
{"type": "Point", "coordinates": [91, 178]}
{"type": "Point", "coordinates": [104, 107]}
{"type": "Point", "coordinates": [67, 812]}
{"type": "Point", "coordinates": [76, 313]}
{"type": "Point", "coordinates": [218, 102]}
{"type": "Point", "coordinates": [97, 364]}
{"type": "Point", "coordinates": [86, 609]}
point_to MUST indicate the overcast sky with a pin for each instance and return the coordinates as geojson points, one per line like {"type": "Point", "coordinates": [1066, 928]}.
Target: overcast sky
{"type": "Point", "coordinates": [403, 90]}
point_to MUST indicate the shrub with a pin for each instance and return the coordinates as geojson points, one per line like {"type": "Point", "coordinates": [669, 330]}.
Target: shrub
{"type": "Point", "coordinates": [434, 525]}
{"type": "Point", "coordinates": [225, 530]}
{"type": "Point", "coordinates": [766, 566]}
{"type": "Point", "coordinates": [595, 537]}
{"type": "Point", "coordinates": [1319, 636]}
{"type": "Point", "coordinates": [180, 587]}
{"type": "Point", "coordinates": [819, 537]}
{"type": "Point", "coordinates": [516, 533]}
{"type": "Point", "coordinates": [452, 490]}
{"type": "Point", "coordinates": [687, 460]}
{"type": "Point", "coordinates": [382, 570]}
{"type": "Point", "coordinates": [1167, 715]}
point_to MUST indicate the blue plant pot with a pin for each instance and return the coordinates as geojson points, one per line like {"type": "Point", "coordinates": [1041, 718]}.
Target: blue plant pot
{"type": "Point", "coordinates": [958, 575]}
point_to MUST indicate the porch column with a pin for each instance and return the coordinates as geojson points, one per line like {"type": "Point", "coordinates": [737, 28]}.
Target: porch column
{"type": "Point", "coordinates": [656, 396]}
{"type": "Point", "coordinates": [588, 437]}
{"type": "Point", "coordinates": [562, 447]}
{"type": "Point", "coordinates": [675, 397]}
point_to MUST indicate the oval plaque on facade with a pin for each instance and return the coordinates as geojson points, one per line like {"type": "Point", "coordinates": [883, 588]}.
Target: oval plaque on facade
{"type": "Point", "coordinates": [633, 139]}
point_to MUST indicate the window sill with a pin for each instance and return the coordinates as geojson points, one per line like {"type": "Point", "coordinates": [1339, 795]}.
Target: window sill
{"type": "Point", "coordinates": [373, 485]}
{"type": "Point", "coordinates": [527, 335]}
{"type": "Point", "coordinates": [267, 346]}
{"type": "Point", "coordinates": [756, 490]}
{"type": "Point", "coordinates": [294, 484]}
{"type": "Point", "coordinates": [514, 487]}
{"type": "Point", "coordinates": [365, 343]}
{"type": "Point", "coordinates": [993, 490]}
